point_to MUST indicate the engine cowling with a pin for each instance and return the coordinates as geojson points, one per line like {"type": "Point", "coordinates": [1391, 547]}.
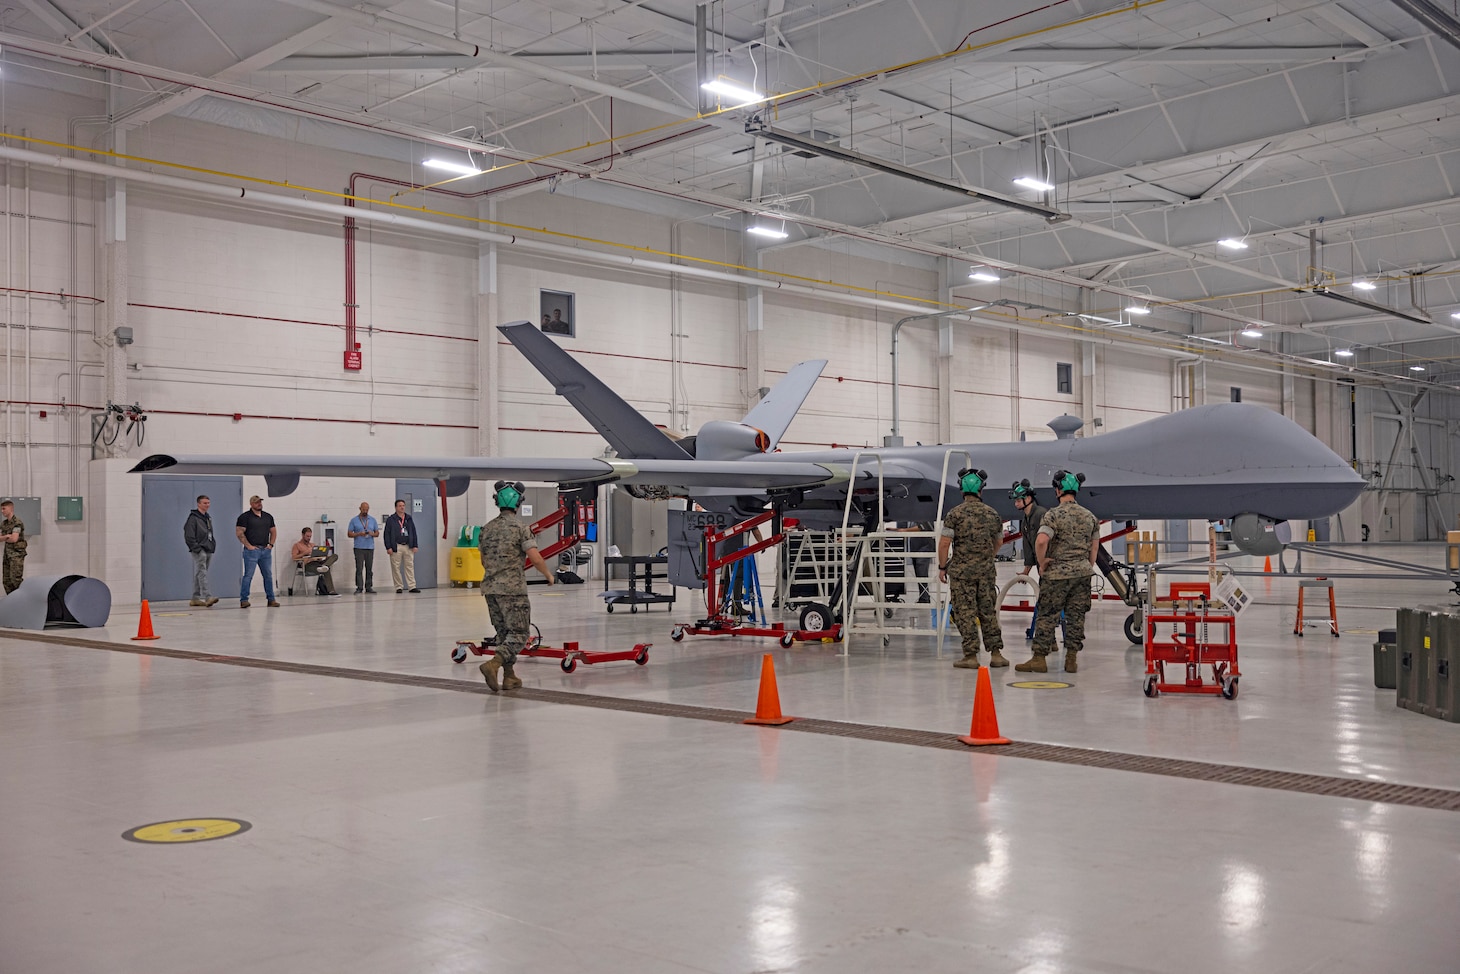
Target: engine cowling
{"type": "Point", "coordinates": [724, 440]}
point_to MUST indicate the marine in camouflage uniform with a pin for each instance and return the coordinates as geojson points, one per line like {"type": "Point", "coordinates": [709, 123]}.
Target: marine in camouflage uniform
{"type": "Point", "coordinates": [976, 533]}
{"type": "Point", "coordinates": [1064, 578]}
{"type": "Point", "coordinates": [14, 569]}
{"type": "Point", "coordinates": [506, 545]}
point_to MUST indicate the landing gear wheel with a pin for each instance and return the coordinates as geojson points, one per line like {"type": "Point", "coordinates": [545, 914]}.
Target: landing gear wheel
{"type": "Point", "coordinates": [677, 634]}
{"type": "Point", "coordinates": [458, 655]}
{"type": "Point", "coordinates": [633, 610]}
{"type": "Point", "coordinates": [1135, 627]}
{"type": "Point", "coordinates": [816, 618]}
{"type": "Point", "coordinates": [568, 664]}
{"type": "Point", "coordinates": [1149, 687]}
{"type": "Point", "coordinates": [610, 608]}
{"type": "Point", "coordinates": [787, 641]}
{"type": "Point", "coordinates": [643, 656]}
{"type": "Point", "coordinates": [1229, 688]}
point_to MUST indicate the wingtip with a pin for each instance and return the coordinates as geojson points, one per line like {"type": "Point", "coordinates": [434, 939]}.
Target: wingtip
{"type": "Point", "coordinates": [158, 461]}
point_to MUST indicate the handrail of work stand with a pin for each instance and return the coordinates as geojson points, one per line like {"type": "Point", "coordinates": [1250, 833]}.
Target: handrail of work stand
{"type": "Point", "coordinates": [941, 599]}
{"type": "Point", "coordinates": [849, 585]}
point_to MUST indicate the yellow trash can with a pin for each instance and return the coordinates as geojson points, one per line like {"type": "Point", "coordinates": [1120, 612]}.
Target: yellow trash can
{"type": "Point", "coordinates": [466, 567]}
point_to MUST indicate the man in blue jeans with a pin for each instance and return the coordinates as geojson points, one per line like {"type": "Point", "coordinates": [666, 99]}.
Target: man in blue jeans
{"type": "Point", "coordinates": [256, 530]}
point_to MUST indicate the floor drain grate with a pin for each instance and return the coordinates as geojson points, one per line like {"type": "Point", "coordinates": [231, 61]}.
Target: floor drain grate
{"type": "Point", "coordinates": [1332, 786]}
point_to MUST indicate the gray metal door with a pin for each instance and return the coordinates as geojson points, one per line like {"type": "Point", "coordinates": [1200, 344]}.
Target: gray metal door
{"type": "Point", "coordinates": [421, 500]}
{"type": "Point", "coordinates": [167, 568]}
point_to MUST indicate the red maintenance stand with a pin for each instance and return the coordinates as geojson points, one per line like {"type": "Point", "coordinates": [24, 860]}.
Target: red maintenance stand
{"type": "Point", "coordinates": [1189, 615]}
{"type": "Point", "coordinates": [721, 621]}
{"type": "Point", "coordinates": [568, 653]}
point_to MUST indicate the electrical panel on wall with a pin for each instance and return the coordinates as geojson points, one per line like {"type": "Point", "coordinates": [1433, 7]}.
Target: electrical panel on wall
{"type": "Point", "coordinates": [28, 509]}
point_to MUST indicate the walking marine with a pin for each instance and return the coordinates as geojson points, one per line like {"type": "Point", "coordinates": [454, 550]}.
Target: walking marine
{"type": "Point", "coordinates": [974, 532]}
{"type": "Point", "coordinates": [506, 545]}
{"type": "Point", "coordinates": [1066, 546]}
{"type": "Point", "coordinates": [12, 532]}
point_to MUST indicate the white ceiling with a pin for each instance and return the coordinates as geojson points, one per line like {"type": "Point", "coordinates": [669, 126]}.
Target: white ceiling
{"type": "Point", "coordinates": [1168, 125]}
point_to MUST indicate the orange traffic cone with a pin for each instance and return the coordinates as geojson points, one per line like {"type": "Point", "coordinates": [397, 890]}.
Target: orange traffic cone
{"type": "Point", "coordinates": [985, 727]}
{"type": "Point", "coordinates": [1267, 565]}
{"type": "Point", "coordinates": [768, 704]}
{"type": "Point", "coordinates": [144, 626]}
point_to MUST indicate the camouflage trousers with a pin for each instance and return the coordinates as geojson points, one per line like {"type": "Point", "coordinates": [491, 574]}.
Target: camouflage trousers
{"type": "Point", "coordinates": [973, 601]}
{"type": "Point", "coordinates": [512, 620]}
{"type": "Point", "coordinates": [14, 571]}
{"type": "Point", "coordinates": [1070, 596]}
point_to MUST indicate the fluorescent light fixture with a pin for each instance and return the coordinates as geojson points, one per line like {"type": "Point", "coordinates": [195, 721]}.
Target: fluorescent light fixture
{"type": "Point", "coordinates": [465, 169]}
{"type": "Point", "coordinates": [1138, 309]}
{"type": "Point", "coordinates": [983, 275]}
{"type": "Point", "coordinates": [761, 230]}
{"type": "Point", "coordinates": [1233, 244]}
{"type": "Point", "coordinates": [1416, 368]}
{"type": "Point", "coordinates": [1345, 353]}
{"type": "Point", "coordinates": [1365, 285]}
{"type": "Point", "coordinates": [1251, 332]}
{"type": "Point", "coordinates": [1029, 182]}
{"type": "Point", "coordinates": [730, 91]}
{"type": "Point", "coordinates": [1455, 315]}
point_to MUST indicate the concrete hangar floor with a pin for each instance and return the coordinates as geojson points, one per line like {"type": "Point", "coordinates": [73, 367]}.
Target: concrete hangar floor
{"type": "Point", "coordinates": [416, 822]}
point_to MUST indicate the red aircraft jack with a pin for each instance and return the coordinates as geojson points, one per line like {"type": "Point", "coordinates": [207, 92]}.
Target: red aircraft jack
{"type": "Point", "coordinates": [569, 654]}
{"type": "Point", "coordinates": [721, 621]}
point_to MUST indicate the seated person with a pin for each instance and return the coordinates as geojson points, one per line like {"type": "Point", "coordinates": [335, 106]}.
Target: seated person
{"type": "Point", "coordinates": [315, 565]}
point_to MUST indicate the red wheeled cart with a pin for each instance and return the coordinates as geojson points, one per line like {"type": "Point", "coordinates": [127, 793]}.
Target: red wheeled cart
{"type": "Point", "coordinates": [569, 653]}
{"type": "Point", "coordinates": [721, 620]}
{"type": "Point", "coordinates": [1188, 618]}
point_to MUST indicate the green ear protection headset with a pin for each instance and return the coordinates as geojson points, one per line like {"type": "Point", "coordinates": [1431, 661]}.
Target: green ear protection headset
{"type": "Point", "coordinates": [1068, 483]}
{"type": "Point", "coordinates": [971, 481]}
{"type": "Point", "coordinates": [1020, 489]}
{"type": "Point", "coordinates": [508, 493]}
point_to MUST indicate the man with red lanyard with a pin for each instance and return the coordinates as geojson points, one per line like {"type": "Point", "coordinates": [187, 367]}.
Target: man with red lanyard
{"type": "Point", "coordinates": [401, 542]}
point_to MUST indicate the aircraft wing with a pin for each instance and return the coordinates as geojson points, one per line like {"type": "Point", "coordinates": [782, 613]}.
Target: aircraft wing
{"type": "Point", "coordinates": [282, 473]}
{"type": "Point", "coordinates": [625, 429]}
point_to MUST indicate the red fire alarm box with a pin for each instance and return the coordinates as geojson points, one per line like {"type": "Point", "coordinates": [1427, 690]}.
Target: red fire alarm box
{"type": "Point", "coordinates": [353, 361]}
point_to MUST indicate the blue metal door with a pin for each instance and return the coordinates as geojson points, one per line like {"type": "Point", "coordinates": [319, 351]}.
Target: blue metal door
{"type": "Point", "coordinates": [167, 568]}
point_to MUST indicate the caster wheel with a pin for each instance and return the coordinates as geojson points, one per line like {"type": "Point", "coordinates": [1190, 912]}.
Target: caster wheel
{"type": "Point", "coordinates": [787, 641]}
{"type": "Point", "coordinates": [1149, 687]}
{"type": "Point", "coordinates": [887, 613]}
{"type": "Point", "coordinates": [1135, 628]}
{"type": "Point", "coordinates": [458, 655]}
{"type": "Point", "coordinates": [633, 610]}
{"type": "Point", "coordinates": [838, 637]}
{"type": "Point", "coordinates": [569, 664]}
{"type": "Point", "coordinates": [610, 608]}
{"type": "Point", "coordinates": [643, 656]}
{"type": "Point", "coordinates": [1229, 688]}
{"type": "Point", "coordinates": [676, 634]}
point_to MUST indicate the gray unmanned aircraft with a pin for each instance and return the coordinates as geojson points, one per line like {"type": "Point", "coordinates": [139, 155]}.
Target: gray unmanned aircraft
{"type": "Point", "coordinates": [1229, 461]}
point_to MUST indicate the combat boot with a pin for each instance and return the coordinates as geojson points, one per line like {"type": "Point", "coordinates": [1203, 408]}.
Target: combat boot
{"type": "Point", "coordinates": [510, 680]}
{"type": "Point", "coordinates": [997, 658]}
{"type": "Point", "coordinates": [1071, 665]}
{"type": "Point", "coordinates": [1034, 665]}
{"type": "Point", "coordinates": [967, 663]}
{"type": "Point", "coordinates": [489, 673]}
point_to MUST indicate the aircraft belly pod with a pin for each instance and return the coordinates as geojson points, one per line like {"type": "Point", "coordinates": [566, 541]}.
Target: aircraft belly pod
{"type": "Point", "coordinates": [1209, 463]}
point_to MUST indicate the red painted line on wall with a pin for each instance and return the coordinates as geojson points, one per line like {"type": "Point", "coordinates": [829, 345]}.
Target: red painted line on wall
{"type": "Point", "coordinates": [648, 358]}
{"type": "Point", "coordinates": [535, 429]}
{"type": "Point", "coordinates": [309, 419]}
{"type": "Point", "coordinates": [296, 321]}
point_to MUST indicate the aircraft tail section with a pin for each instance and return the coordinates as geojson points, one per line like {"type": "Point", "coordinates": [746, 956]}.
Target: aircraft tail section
{"type": "Point", "coordinates": [625, 429]}
{"type": "Point", "coordinates": [773, 414]}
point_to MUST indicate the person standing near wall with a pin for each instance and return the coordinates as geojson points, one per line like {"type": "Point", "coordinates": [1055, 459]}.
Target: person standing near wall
{"type": "Point", "coordinates": [1031, 516]}
{"type": "Point", "coordinates": [974, 532]}
{"type": "Point", "coordinates": [1067, 546]}
{"type": "Point", "coordinates": [198, 534]}
{"type": "Point", "coordinates": [401, 543]}
{"type": "Point", "coordinates": [364, 529]}
{"type": "Point", "coordinates": [506, 545]}
{"type": "Point", "coordinates": [255, 528]}
{"type": "Point", "coordinates": [12, 532]}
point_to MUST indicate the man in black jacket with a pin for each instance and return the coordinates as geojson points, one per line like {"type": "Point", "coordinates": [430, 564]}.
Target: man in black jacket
{"type": "Point", "coordinates": [401, 542]}
{"type": "Point", "coordinates": [198, 533]}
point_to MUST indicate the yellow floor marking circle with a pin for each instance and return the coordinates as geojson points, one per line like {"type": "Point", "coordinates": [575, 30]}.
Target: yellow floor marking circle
{"type": "Point", "coordinates": [187, 830]}
{"type": "Point", "coordinates": [1041, 685]}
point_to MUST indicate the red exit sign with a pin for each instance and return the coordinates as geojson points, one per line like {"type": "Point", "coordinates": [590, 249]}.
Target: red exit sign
{"type": "Point", "coordinates": [353, 361]}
